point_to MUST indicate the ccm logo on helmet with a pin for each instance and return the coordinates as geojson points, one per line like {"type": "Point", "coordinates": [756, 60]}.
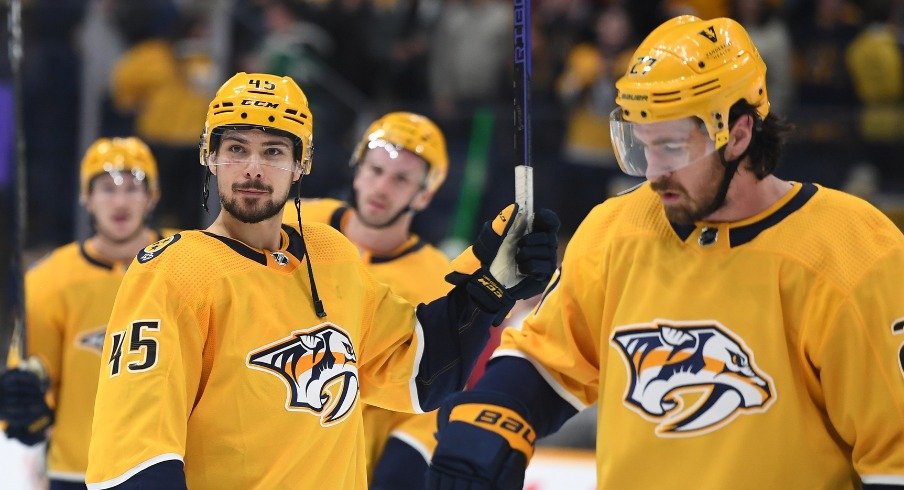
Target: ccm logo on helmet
{"type": "Point", "coordinates": [260, 103]}
{"type": "Point", "coordinates": [318, 366]}
{"type": "Point", "coordinates": [690, 377]}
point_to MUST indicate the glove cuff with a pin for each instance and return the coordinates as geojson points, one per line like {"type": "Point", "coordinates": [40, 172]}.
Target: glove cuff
{"type": "Point", "coordinates": [500, 420]}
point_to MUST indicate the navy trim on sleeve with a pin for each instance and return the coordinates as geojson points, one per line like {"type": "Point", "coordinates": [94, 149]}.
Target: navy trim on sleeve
{"type": "Point", "coordinates": [166, 475]}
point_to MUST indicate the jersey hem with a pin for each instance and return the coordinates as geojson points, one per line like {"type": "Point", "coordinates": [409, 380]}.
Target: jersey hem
{"type": "Point", "coordinates": [66, 476]}
{"type": "Point", "coordinates": [559, 389]}
{"type": "Point", "coordinates": [414, 443]}
{"type": "Point", "coordinates": [133, 471]}
{"type": "Point", "coordinates": [882, 479]}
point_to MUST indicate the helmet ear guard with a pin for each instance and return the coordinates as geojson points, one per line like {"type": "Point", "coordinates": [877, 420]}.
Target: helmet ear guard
{"type": "Point", "coordinates": [688, 67]}
{"type": "Point", "coordinates": [412, 132]}
{"type": "Point", "coordinates": [262, 101]}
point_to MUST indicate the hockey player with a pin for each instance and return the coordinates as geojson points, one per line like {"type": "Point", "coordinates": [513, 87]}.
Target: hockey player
{"type": "Point", "coordinates": [737, 330]}
{"type": "Point", "coordinates": [240, 356]}
{"type": "Point", "coordinates": [69, 296]}
{"type": "Point", "coordinates": [399, 164]}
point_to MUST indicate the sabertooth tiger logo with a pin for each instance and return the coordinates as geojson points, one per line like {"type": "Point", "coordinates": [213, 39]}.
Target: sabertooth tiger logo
{"type": "Point", "coordinates": [320, 368]}
{"type": "Point", "coordinates": [690, 378]}
{"type": "Point", "coordinates": [92, 340]}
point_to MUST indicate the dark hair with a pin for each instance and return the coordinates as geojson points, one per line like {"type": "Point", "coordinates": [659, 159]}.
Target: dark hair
{"type": "Point", "coordinates": [765, 149]}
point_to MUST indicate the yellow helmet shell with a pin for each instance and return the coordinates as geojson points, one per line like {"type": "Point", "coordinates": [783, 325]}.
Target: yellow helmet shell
{"type": "Point", "coordinates": [109, 155]}
{"type": "Point", "coordinates": [265, 101]}
{"type": "Point", "coordinates": [691, 67]}
{"type": "Point", "coordinates": [415, 133]}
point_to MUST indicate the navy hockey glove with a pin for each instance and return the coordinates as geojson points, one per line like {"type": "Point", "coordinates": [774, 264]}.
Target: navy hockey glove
{"type": "Point", "coordinates": [484, 443]}
{"type": "Point", "coordinates": [504, 264]}
{"type": "Point", "coordinates": [23, 406]}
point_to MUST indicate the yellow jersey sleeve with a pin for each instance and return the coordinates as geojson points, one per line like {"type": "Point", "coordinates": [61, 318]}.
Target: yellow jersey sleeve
{"type": "Point", "coordinates": [146, 363]}
{"type": "Point", "coordinates": [44, 321]}
{"type": "Point", "coordinates": [861, 351]}
{"type": "Point", "coordinates": [560, 336]}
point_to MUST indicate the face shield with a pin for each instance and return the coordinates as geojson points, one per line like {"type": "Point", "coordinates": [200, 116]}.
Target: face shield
{"type": "Point", "coordinates": [657, 148]}
{"type": "Point", "coordinates": [234, 149]}
{"type": "Point", "coordinates": [394, 151]}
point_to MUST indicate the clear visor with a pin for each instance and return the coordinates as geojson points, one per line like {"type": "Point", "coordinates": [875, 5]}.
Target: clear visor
{"type": "Point", "coordinates": [650, 149]}
{"type": "Point", "coordinates": [284, 163]}
{"type": "Point", "coordinates": [118, 173]}
{"type": "Point", "coordinates": [234, 149]}
{"type": "Point", "coordinates": [392, 149]}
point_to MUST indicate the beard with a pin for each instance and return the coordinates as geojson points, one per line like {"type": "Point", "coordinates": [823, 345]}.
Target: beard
{"type": "Point", "coordinates": [376, 223]}
{"type": "Point", "coordinates": [249, 210]}
{"type": "Point", "coordinates": [693, 209]}
{"type": "Point", "coordinates": [386, 223]}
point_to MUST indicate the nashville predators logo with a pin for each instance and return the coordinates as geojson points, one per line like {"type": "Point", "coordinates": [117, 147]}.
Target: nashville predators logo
{"type": "Point", "coordinates": [92, 340]}
{"type": "Point", "coordinates": [156, 248]}
{"type": "Point", "coordinates": [690, 377]}
{"type": "Point", "coordinates": [319, 366]}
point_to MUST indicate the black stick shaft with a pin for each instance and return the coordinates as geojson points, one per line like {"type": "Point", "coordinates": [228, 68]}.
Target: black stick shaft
{"type": "Point", "coordinates": [14, 319]}
{"type": "Point", "coordinates": [522, 53]}
{"type": "Point", "coordinates": [524, 181]}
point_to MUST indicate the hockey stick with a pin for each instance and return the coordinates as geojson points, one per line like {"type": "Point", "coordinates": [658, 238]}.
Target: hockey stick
{"type": "Point", "coordinates": [524, 177]}
{"type": "Point", "coordinates": [14, 316]}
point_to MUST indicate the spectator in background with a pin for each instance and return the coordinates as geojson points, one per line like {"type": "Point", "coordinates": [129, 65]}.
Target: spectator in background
{"type": "Point", "coordinates": [876, 62]}
{"type": "Point", "coordinates": [587, 89]}
{"type": "Point", "coordinates": [50, 93]}
{"type": "Point", "coordinates": [399, 42]}
{"type": "Point", "coordinates": [773, 40]}
{"type": "Point", "coordinates": [471, 54]}
{"type": "Point", "coordinates": [823, 28]}
{"type": "Point", "coordinates": [825, 98]}
{"type": "Point", "coordinates": [298, 46]}
{"type": "Point", "coordinates": [162, 87]}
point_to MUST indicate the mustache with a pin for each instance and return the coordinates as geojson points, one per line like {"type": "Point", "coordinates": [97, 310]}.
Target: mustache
{"type": "Point", "coordinates": [252, 186]}
{"type": "Point", "coordinates": [665, 186]}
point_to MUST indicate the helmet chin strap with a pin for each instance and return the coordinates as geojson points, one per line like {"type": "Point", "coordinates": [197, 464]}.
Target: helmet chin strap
{"type": "Point", "coordinates": [205, 191]}
{"type": "Point", "coordinates": [731, 167]}
{"type": "Point", "coordinates": [318, 303]}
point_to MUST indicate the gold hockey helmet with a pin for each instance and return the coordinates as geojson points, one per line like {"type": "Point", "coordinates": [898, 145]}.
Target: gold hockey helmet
{"type": "Point", "coordinates": [118, 155]}
{"type": "Point", "coordinates": [268, 102]}
{"type": "Point", "coordinates": [691, 67]}
{"type": "Point", "coordinates": [412, 132]}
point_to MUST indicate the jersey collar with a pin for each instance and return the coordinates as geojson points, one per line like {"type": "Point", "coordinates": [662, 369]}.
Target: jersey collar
{"type": "Point", "coordinates": [741, 232]}
{"type": "Point", "coordinates": [92, 257]}
{"type": "Point", "coordinates": [289, 242]}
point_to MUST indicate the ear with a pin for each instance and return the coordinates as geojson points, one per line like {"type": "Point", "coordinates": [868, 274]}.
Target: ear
{"type": "Point", "coordinates": [152, 201]}
{"type": "Point", "coordinates": [298, 170]}
{"type": "Point", "coordinates": [86, 201]}
{"type": "Point", "coordinates": [739, 137]}
{"type": "Point", "coordinates": [422, 200]}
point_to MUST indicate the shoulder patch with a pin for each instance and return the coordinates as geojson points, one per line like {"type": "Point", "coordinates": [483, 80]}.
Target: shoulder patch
{"type": "Point", "coordinates": [155, 249]}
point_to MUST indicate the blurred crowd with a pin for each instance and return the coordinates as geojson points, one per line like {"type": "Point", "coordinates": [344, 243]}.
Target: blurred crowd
{"type": "Point", "coordinates": [120, 67]}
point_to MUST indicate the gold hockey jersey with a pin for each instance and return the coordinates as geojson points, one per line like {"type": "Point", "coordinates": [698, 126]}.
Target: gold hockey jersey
{"type": "Point", "coordinates": [69, 295]}
{"type": "Point", "coordinates": [214, 356]}
{"type": "Point", "coordinates": [415, 272]}
{"type": "Point", "coordinates": [765, 353]}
